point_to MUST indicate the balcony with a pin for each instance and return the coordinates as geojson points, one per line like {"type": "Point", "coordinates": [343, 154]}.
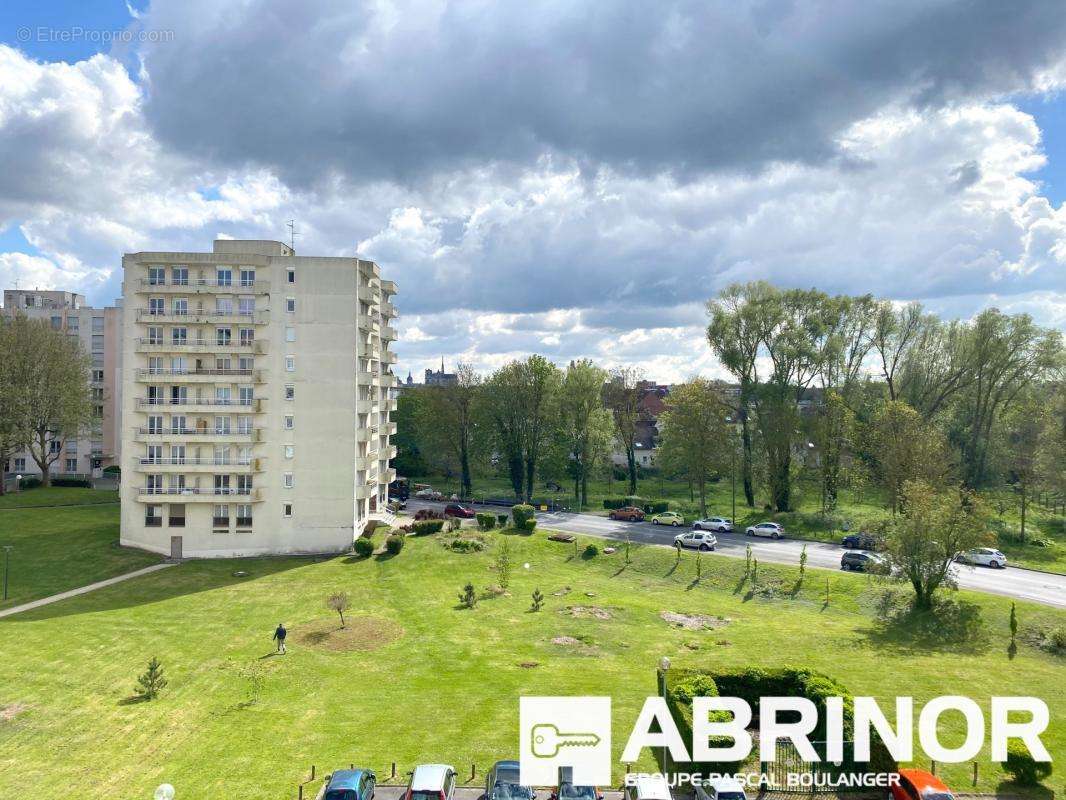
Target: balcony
{"type": "Point", "coordinates": [366, 406]}
{"type": "Point", "coordinates": [364, 435]}
{"type": "Point", "coordinates": [388, 428]}
{"type": "Point", "coordinates": [197, 494]}
{"type": "Point", "coordinates": [387, 452]}
{"type": "Point", "coordinates": [388, 333]}
{"type": "Point", "coordinates": [389, 357]}
{"type": "Point", "coordinates": [145, 345]}
{"type": "Point", "coordinates": [203, 435]}
{"type": "Point", "coordinates": [201, 376]}
{"type": "Point", "coordinates": [205, 405]}
{"type": "Point", "coordinates": [388, 309]}
{"type": "Point", "coordinates": [388, 287]}
{"type": "Point", "coordinates": [199, 465]}
{"type": "Point", "coordinates": [202, 285]}
{"type": "Point", "coordinates": [387, 476]}
{"type": "Point", "coordinates": [203, 317]}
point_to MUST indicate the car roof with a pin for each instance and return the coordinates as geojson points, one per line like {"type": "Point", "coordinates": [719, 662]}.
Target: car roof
{"type": "Point", "coordinates": [725, 784]}
{"type": "Point", "coordinates": [430, 777]}
{"type": "Point", "coordinates": [924, 781]}
{"type": "Point", "coordinates": [652, 787]}
{"type": "Point", "coordinates": [346, 778]}
{"type": "Point", "coordinates": [507, 763]}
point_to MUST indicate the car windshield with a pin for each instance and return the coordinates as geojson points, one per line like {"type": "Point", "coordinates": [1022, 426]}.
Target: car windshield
{"type": "Point", "coordinates": [730, 796]}
{"type": "Point", "coordinates": [422, 794]}
{"type": "Point", "coordinates": [509, 791]}
{"type": "Point", "coordinates": [932, 795]}
{"type": "Point", "coordinates": [341, 794]}
{"type": "Point", "coordinates": [570, 792]}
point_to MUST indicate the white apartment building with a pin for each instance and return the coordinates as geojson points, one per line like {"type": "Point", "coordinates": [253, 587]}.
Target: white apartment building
{"type": "Point", "coordinates": [256, 400]}
{"type": "Point", "coordinates": [98, 331]}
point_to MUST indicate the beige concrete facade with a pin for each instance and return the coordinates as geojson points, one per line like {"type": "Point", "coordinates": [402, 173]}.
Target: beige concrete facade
{"type": "Point", "coordinates": [256, 410]}
{"type": "Point", "coordinates": [98, 331]}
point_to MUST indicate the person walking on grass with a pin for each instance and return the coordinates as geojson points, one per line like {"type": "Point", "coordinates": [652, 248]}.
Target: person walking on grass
{"type": "Point", "coordinates": [279, 635]}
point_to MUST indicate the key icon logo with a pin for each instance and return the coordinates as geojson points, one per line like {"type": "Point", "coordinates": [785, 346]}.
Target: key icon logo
{"type": "Point", "coordinates": [547, 739]}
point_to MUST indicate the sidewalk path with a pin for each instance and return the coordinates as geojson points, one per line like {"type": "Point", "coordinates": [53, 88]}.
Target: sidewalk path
{"type": "Point", "coordinates": [7, 612]}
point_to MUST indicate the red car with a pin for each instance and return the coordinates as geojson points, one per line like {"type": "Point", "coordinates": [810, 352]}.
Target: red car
{"type": "Point", "coordinates": [628, 514]}
{"type": "Point", "coordinates": [917, 784]}
{"type": "Point", "coordinates": [456, 510]}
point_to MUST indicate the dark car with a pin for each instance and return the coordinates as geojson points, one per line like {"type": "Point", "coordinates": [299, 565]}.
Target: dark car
{"type": "Point", "coordinates": [628, 514]}
{"type": "Point", "coordinates": [350, 784]}
{"type": "Point", "coordinates": [503, 783]}
{"type": "Point", "coordinates": [566, 789]}
{"type": "Point", "coordinates": [456, 510]}
{"type": "Point", "coordinates": [860, 541]}
{"type": "Point", "coordinates": [859, 561]}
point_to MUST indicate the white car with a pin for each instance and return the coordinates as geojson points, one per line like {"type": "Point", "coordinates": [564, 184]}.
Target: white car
{"type": "Point", "coordinates": [712, 524]}
{"type": "Point", "coordinates": [696, 539]}
{"type": "Point", "coordinates": [770, 529]}
{"type": "Point", "coordinates": [428, 494]}
{"type": "Point", "coordinates": [643, 786]}
{"type": "Point", "coordinates": [721, 788]}
{"type": "Point", "coordinates": [984, 557]}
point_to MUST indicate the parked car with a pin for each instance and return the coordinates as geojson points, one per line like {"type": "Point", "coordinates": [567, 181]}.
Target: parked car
{"type": "Point", "coordinates": [861, 561]}
{"type": "Point", "coordinates": [696, 539]}
{"type": "Point", "coordinates": [396, 504]}
{"type": "Point", "coordinates": [350, 784]}
{"type": "Point", "coordinates": [861, 541]}
{"type": "Point", "coordinates": [456, 510]}
{"type": "Point", "coordinates": [502, 783]}
{"type": "Point", "coordinates": [565, 789]}
{"type": "Point", "coordinates": [668, 518]}
{"type": "Point", "coordinates": [721, 788]}
{"type": "Point", "coordinates": [431, 782]}
{"type": "Point", "coordinates": [720, 524]}
{"type": "Point", "coordinates": [917, 784]}
{"type": "Point", "coordinates": [628, 514]}
{"type": "Point", "coordinates": [428, 494]}
{"type": "Point", "coordinates": [647, 787]}
{"type": "Point", "coordinates": [983, 557]}
{"type": "Point", "coordinates": [771, 529]}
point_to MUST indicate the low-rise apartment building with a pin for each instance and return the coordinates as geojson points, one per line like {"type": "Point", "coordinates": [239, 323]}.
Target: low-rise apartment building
{"type": "Point", "coordinates": [256, 405]}
{"type": "Point", "coordinates": [99, 331]}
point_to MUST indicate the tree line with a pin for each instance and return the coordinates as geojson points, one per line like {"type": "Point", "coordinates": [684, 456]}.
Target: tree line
{"type": "Point", "coordinates": [880, 392]}
{"type": "Point", "coordinates": [45, 398]}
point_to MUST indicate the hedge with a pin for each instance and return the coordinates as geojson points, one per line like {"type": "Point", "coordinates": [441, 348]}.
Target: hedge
{"type": "Point", "coordinates": [394, 543]}
{"type": "Point", "coordinates": [363, 547]}
{"type": "Point", "coordinates": [80, 483]}
{"type": "Point", "coordinates": [427, 527]}
{"type": "Point", "coordinates": [486, 521]}
{"type": "Point", "coordinates": [649, 506]}
{"type": "Point", "coordinates": [520, 513]}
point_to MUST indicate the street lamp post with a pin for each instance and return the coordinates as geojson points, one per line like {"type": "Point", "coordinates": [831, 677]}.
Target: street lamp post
{"type": "Point", "coordinates": [18, 480]}
{"type": "Point", "coordinates": [7, 555]}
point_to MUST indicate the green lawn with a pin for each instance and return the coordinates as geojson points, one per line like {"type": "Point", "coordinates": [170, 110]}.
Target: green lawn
{"type": "Point", "coordinates": [428, 681]}
{"type": "Point", "coordinates": [57, 496]}
{"type": "Point", "coordinates": [55, 549]}
{"type": "Point", "coordinates": [807, 522]}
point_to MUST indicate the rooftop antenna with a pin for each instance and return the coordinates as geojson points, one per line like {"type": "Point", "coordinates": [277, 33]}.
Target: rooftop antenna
{"type": "Point", "coordinates": [293, 233]}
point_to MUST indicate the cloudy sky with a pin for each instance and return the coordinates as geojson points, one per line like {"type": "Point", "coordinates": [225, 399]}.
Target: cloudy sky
{"type": "Point", "coordinates": [571, 178]}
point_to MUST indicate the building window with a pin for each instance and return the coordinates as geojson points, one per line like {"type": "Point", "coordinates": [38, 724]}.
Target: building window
{"type": "Point", "coordinates": [57, 323]}
{"type": "Point", "coordinates": [72, 324]}
{"type": "Point", "coordinates": [72, 465]}
{"type": "Point", "coordinates": [157, 276]}
{"type": "Point", "coordinates": [98, 343]}
{"type": "Point", "coordinates": [181, 306]}
{"type": "Point", "coordinates": [224, 305]}
{"type": "Point", "coordinates": [98, 323]}
{"type": "Point", "coordinates": [290, 422]}
{"type": "Point", "coordinates": [247, 336]}
{"type": "Point", "coordinates": [153, 516]}
{"type": "Point", "coordinates": [247, 277]}
{"type": "Point", "coordinates": [289, 481]}
{"type": "Point", "coordinates": [156, 307]}
{"type": "Point", "coordinates": [55, 446]}
{"type": "Point", "coordinates": [290, 334]}
{"type": "Point", "coordinates": [290, 391]}
{"type": "Point", "coordinates": [176, 516]}
{"type": "Point", "coordinates": [20, 465]}
{"type": "Point", "coordinates": [98, 376]}
{"type": "Point", "coordinates": [244, 395]}
{"type": "Point", "coordinates": [179, 276]}
{"type": "Point", "coordinates": [222, 484]}
{"type": "Point", "coordinates": [155, 335]}
{"type": "Point", "coordinates": [222, 336]}
{"type": "Point", "coordinates": [244, 425]}
{"type": "Point", "coordinates": [246, 305]}
{"type": "Point", "coordinates": [290, 275]}
{"type": "Point", "coordinates": [224, 276]}
{"type": "Point", "coordinates": [290, 304]}
{"type": "Point", "coordinates": [290, 363]}
{"type": "Point", "coordinates": [72, 444]}
{"type": "Point", "coordinates": [244, 484]}
{"type": "Point", "coordinates": [244, 516]}
{"type": "Point", "coordinates": [179, 335]}
{"type": "Point", "coordinates": [290, 450]}
{"type": "Point", "coordinates": [155, 424]}
{"type": "Point", "coordinates": [286, 509]}
{"type": "Point", "coordinates": [221, 517]}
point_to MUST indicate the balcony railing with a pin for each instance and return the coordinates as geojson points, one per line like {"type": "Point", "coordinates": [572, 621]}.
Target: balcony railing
{"type": "Point", "coordinates": [197, 462]}
{"type": "Point", "coordinates": [201, 316]}
{"type": "Point", "coordinates": [194, 491]}
{"type": "Point", "coordinates": [220, 373]}
{"type": "Point", "coordinates": [188, 344]}
{"type": "Point", "coordinates": [193, 432]}
{"type": "Point", "coordinates": [235, 284]}
{"type": "Point", "coordinates": [240, 405]}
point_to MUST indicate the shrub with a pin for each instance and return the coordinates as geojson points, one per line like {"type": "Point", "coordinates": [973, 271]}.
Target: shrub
{"type": "Point", "coordinates": [529, 525]}
{"type": "Point", "coordinates": [466, 545]}
{"type": "Point", "coordinates": [152, 682]}
{"type": "Point", "coordinates": [1025, 769]}
{"type": "Point", "coordinates": [658, 507]}
{"type": "Point", "coordinates": [80, 483]}
{"type": "Point", "coordinates": [364, 547]}
{"type": "Point", "coordinates": [538, 600]}
{"type": "Point", "coordinates": [428, 513]}
{"type": "Point", "coordinates": [468, 597]}
{"type": "Point", "coordinates": [1056, 638]}
{"type": "Point", "coordinates": [427, 527]}
{"type": "Point", "coordinates": [501, 520]}
{"type": "Point", "coordinates": [591, 551]}
{"type": "Point", "coordinates": [452, 524]}
{"type": "Point", "coordinates": [30, 483]}
{"type": "Point", "coordinates": [520, 513]}
{"type": "Point", "coordinates": [394, 543]}
{"type": "Point", "coordinates": [485, 521]}
{"type": "Point", "coordinates": [611, 503]}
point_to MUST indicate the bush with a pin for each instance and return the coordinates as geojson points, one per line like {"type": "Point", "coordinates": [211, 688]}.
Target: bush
{"type": "Point", "coordinates": [1056, 638]}
{"type": "Point", "coordinates": [363, 547]}
{"type": "Point", "coordinates": [466, 545]}
{"type": "Point", "coordinates": [114, 469]}
{"type": "Point", "coordinates": [428, 513]}
{"type": "Point", "coordinates": [452, 524]}
{"type": "Point", "coordinates": [1025, 769]}
{"type": "Point", "coordinates": [501, 520]}
{"type": "Point", "coordinates": [591, 551]}
{"type": "Point", "coordinates": [658, 507]}
{"type": "Point", "coordinates": [521, 513]}
{"type": "Point", "coordinates": [30, 483]}
{"type": "Point", "coordinates": [427, 527]}
{"type": "Point", "coordinates": [394, 543]}
{"type": "Point", "coordinates": [611, 503]}
{"type": "Point", "coordinates": [79, 483]}
{"type": "Point", "coordinates": [485, 521]}
{"type": "Point", "coordinates": [529, 525]}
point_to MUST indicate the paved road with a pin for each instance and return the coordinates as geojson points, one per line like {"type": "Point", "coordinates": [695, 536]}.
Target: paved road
{"type": "Point", "coordinates": [1021, 584]}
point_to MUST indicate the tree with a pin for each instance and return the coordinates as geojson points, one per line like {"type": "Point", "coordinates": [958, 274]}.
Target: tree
{"type": "Point", "coordinates": [538, 600]}
{"type": "Point", "coordinates": [339, 602]}
{"type": "Point", "coordinates": [933, 529]}
{"type": "Point", "coordinates": [622, 397]}
{"type": "Point", "coordinates": [906, 448]}
{"type": "Point", "coordinates": [694, 435]}
{"type": "Point", "coordinates": [448, 420]}
{"type": "Point", "coordinates": [13, 416]}
{"type": "Point", "coordinates": [502, 563]}
{"type": "Point", "coordinates": [54, 397]}
{"type": "Point", "coordinates": [585, 425]}
{"type": "Point", "coordinates": [1024, 428]}
{"type": "Point", "coordinates": [468, 597]}
{"type": "Point", "coordinates": [892, 336]}
{"type": "Point", "coordinates": [500, 403]}
{"type": "Point", "coordinates": [151, 682]}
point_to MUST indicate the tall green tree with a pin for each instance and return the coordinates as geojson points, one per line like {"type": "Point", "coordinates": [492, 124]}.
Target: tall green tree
{"type": "Point", "coordinates": [694, 437]}
{"type": "Point", "coordinates": [906, 448]}
{"type": "Point", "coordinates": [892, 336]}
{"type": "Point", "coordinates": [14, 434]}
{"type": "Point", "coordinates": [622, 396]}
{"type": "Point", "coordinates": [501, 404]}
{"type": "Point", "coordinates": [585, 426]}
{"type": "Point", "coordinates": [450, 420]}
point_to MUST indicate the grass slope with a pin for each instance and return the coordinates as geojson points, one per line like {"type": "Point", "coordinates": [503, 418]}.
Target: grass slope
{"type": "Point", "coordinates": [425, 680]}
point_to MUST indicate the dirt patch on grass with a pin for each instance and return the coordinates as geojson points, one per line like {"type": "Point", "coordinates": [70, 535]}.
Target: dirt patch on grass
{"type": "Point", "coordinates": [694, 622]}
{"type": "Point", "coordinates": [12, 710]}
{"type": "Point", "coordinates": [358, 633]}
{"type": "Point", "coordinates": [586, 612]}
{"type": "Point", "coordinates": [528, 664]}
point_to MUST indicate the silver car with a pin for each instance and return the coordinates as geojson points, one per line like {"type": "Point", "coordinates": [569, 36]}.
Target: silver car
{"type": "Point", "coordinates": [719, 524]}
{"type": "Point", "coordinates": [697, 540]}
{"type": "Point", "coordinates": [983, 557]}
{"type": "Point", "coordinates": [770, 529]}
